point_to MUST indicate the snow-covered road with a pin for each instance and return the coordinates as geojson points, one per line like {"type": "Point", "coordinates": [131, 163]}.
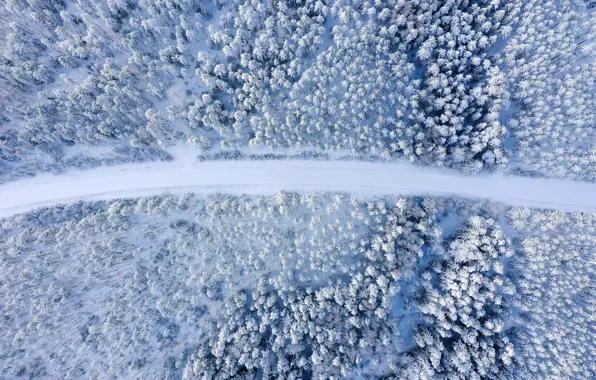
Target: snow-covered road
{"type": "Point", "coordinates": [265, 177]}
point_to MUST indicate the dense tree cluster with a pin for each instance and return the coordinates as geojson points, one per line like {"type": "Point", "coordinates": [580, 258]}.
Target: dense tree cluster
{"type": "Point", "coordinates": [126, 288]}
{"type": "Point", "coordinates": [557, 284]}
{"type": "Point", "coordinates": [83, 74]}
{"type": "Point", "coordinates": [284, 329]}
{"type": "Point", "coordinates": [291, 285]}
{"type": "Point", "coordinates": [296, 286]}
{"type": "Point", "coordinates": [435, 82]}
{"type": "Point", "coordinates": [463, 303]}
{"type": "Point", "coordinates": [362, 91]}
{"type": "Point", "coordinates": [462, 91]}
{"type": "Point", "coordinates": [551, 66]}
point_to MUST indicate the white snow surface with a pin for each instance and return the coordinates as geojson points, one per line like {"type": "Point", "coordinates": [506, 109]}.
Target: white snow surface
{"type": "Point", "coordinates": [267, 177]}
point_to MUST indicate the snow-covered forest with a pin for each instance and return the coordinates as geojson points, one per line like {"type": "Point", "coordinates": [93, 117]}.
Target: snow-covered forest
{"type": "Point", "coordinates": [296, 286]}
{"type": "Point", "coordinates": [474, 85]}
{"type": "Point", "coordinates": [353, 271]}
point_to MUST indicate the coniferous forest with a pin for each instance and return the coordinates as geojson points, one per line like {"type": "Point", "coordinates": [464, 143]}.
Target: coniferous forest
{"type": "Point", "coordinates": [297, 284]}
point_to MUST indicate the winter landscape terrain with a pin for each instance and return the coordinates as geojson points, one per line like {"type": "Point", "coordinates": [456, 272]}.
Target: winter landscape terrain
{"type": "Point", "coordinates": [297, 189]}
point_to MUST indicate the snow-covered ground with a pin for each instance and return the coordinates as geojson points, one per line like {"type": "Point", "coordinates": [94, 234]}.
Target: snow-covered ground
{"type": "Point", "coordinates": [265, 177]}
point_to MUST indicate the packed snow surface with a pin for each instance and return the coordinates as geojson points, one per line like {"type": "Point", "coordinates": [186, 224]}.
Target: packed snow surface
{"type": "Point", "coordinates": [265, 177]}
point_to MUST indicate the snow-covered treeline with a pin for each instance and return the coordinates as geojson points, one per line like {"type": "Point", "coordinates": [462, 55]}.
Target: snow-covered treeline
{"type": "Point", "coordinates": [460, 83]}
{"type": "Point", "coordinates": [295, 286]}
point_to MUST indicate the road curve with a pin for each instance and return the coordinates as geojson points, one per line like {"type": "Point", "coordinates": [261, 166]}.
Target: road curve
{"type": "Point", "coordinates": [266, 177]}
